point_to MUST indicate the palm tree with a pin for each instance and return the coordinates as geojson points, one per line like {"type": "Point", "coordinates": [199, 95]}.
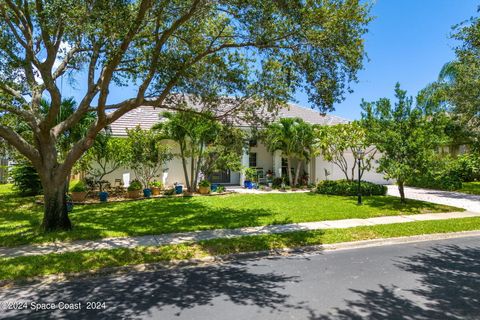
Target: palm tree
{"type": "Point", "coordinates": [294, 138]}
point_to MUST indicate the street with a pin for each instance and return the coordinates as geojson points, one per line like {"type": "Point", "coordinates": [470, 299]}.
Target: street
{"type": "Point", "coordinates": [425, 280]}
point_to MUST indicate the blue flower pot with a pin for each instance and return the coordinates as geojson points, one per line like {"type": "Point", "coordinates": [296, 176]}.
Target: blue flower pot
{"type": "Point", "coordinates": [248, 184]}
{"type": "Point", "coordinates": [147, 193]}
{"type": "Point", "coordinates": [214, 187]}
{"type": "Point", "coordinates": [103, 196]}
{"type": "Point", "coordinates": [178, 189]}
{"type": "Point", "coordinates": [69, 206]}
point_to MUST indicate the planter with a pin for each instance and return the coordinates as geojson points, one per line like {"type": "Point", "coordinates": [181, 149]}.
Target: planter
{"type": "Point", "coordinates": [69, 206]}
{"type": "Point", "coordinates": [78, 196]}
{"type": "Point", "coordinates": [178, 189]}
{"type": "Point", "coordinates": [134, 194]}
{"type": "Point", "coordinates": [147, 193]}
{"type": "Point", "coordinates": [204, 190]}
{"type": "Point", "coordinates": [248, 184]}
{"type": "Point", "coordinates": [155, 191]}
{"type": "Point", "coordinates": [103, 196]}
{"type": "Point", "coordinates": [214, 187]}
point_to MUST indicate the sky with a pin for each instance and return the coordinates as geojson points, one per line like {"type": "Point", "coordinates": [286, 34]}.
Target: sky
{"type": "Point", "coordinates": [408, 42]}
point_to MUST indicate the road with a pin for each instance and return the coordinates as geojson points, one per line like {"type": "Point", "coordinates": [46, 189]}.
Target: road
{"type": "Point", "coordinates": [425, 280]}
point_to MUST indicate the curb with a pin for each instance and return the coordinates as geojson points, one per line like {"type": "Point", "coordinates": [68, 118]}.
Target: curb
{"type": "Point", "coordinates": [157, 266]}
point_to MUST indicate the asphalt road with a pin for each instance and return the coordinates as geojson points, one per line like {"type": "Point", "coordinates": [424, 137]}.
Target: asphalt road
{"type": "Point", "coordinates": [427, 280]}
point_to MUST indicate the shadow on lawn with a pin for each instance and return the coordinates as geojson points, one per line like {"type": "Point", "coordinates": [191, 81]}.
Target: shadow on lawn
{"type": "Point", "coordinates": [167, 215]}
{"type": "Point", "coordinates": [390, 204]}
{"type": "Point", "coordinates": [450, 282]}
{"type": "Point", "coordinates": [137, 294]}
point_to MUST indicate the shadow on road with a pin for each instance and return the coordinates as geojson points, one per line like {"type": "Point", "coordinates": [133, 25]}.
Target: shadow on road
{"type": "Point", "coordinates": [134, 294]}
{"type": "Point", "coordinates": [450, 289]}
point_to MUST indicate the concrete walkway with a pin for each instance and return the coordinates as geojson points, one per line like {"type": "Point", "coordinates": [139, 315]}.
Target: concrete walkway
{"type": "Point", "coordinates": [468, 202]}
{"type": "Point", "coordinates": [176, 238]}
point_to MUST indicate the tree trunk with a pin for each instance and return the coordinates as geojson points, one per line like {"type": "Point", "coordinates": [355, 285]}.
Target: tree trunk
{"type": "Point", "coordinates": [55, 208]}
{"type": "Point", "coordinates": [184, 164]}
{"type": "Point", "coordinates": [297, 173]}
{"type": "Point", "coordinates": [289, 164]}
{"type": "Point", "coordinates": [401, 190]}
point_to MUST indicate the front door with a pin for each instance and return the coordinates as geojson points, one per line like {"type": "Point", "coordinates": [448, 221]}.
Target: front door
{"type": "Point", "coordinates": [220, 177]}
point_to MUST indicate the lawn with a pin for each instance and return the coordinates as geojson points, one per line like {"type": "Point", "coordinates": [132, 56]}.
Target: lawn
{"type": "Point", "coordinates": [470, 187]}
{"type": "Point", "coordinates": [29, 266]}
{"type": "Point", "coordinates": [20, 219]}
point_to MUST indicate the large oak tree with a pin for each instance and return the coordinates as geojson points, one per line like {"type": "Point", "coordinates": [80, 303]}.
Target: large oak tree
{"type": "Point", "coordinates": [260, 49]}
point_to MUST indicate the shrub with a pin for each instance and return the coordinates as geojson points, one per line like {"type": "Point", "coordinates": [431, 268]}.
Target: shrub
{"type": "Point", "coordinates": [156, 184]}
{"type": "Point", "coordinates": [277, 182]}
{"type": "Point", "coordinates": [204, 183]}
{"type": "Point", "coordinates": [26, 180]}
{"type": "Point", "coordinates": [350, 188]}
{"type": "Point", "coordinates": [467, 167]}
{"type": "Point", "coordinates": [220, 189]}
{"type": "Point", "coordinates": [169, 192]}
{"type": "Point", "coordinates": [135, 185]}
{"type": "Point", "coordinates": [77, 186]}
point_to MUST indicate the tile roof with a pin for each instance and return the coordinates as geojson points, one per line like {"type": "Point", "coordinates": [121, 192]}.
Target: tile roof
{"type": "Point", "coordinates": [147, 116]}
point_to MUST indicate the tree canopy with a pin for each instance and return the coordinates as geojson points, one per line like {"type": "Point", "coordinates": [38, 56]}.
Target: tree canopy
{"type": "Point", "coordinates": [261, 50]}
{"type": "Point", "coordinates": [406, 135]}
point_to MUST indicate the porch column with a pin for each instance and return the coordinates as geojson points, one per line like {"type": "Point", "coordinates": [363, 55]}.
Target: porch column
{"type": "Point", "coordinates": [245, 162]}
{"type": "Point", "coordinates": [277, 163]}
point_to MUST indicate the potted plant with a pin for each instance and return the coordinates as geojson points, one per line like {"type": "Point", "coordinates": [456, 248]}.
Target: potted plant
{"type": "Point", "coordinates": [134, 189]}
{"type": "Point", "coordinates": [250, 175]}
{"type": "Point", "coordinates": [204, 187]}
{"type": "Point", "coordinates": [78, 190]}
{"type": "Point", "coordinates": [269, 177]}
{"type": "Point", "coordinates": [156, 187]}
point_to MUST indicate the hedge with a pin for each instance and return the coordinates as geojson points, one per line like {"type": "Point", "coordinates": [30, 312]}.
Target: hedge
{"type": "Point", "coordinates": [350, 188]}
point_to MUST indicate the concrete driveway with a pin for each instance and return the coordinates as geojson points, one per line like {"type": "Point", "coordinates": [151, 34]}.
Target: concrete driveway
{"type": "Point", "coordinates": [468, 202]}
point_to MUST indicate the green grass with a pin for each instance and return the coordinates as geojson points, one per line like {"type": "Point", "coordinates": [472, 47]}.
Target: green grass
{"type": "Point", "coordinates": [30, 266]}
{"type": "Point", "coordinates": [20, 218]}
{"type": "Point", "coordinates": [470, 187]}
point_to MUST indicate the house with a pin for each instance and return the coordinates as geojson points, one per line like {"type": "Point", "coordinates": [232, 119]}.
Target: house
{"type": "Point", "coordinates": [255, 154]}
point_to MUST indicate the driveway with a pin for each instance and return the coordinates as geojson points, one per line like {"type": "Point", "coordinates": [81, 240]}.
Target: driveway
{"type": "Point", "coordinates": [468, 202]}
{"type": "Point", "coordinates": [424, 280]}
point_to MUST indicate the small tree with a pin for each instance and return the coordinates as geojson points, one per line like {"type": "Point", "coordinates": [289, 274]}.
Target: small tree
{"type": "Point", "coordinates": [294, 137]}
{"type": "Point", "coordinates": [146, 154]}
{"type": "Point", "coordinates": [224, 152]}
{"type": "Point", "coordinates": [193, 132]}
{"type": "Point", "coordinates": [334, 142]}
{"type": "Point", "coordinates": [407, 136]}
{"type": "Point", "coordinates": [106, 155]}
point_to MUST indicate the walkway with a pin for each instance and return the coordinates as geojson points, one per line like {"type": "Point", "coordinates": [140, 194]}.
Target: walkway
{"type": "Point", "coordinates": [468, 202]}
{"type": "Point", "coordinates": [176, 238]}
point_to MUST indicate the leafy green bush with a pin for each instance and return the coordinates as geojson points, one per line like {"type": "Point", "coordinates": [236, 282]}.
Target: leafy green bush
{"type": "Point", "coordinates": [26, 180]}
{"type": "Point", "coordinates": [350, 188]}
{"type": "Point", "coordinates": [156, 184]}
{"type": "Point", "coordinates": [467, 167]}
{"type": "Point", "coordinates": [77, 186]}
{"type": "Point", "coordinates": [135, 185]}
{"type": "Point", "coordinates": [204, 183]}
{"type": "Point", "coordinates": [220, 189]}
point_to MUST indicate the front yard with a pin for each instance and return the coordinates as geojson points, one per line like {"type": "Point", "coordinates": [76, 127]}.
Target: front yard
{"type": "Point", "coordinates": [20, 218]}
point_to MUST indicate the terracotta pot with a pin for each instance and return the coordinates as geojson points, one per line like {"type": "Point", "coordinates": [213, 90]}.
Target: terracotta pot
{"type": "Point", "coordinates": [204, 190]}
{"type": "Point", "coordinates": [79, 196]}
{"type": "Point", "coordinates": [134, 194]}
{"type": "Point", "coordinates": [155, 191]}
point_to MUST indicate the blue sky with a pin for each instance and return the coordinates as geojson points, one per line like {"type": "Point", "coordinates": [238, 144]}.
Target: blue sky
{"type": "Point", "coordinates": [407, 42]}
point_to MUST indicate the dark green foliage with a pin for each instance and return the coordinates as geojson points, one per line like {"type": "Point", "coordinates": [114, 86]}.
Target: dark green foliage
{"type": "Point", "coordinates": [448, 173]}
{"type": "Point", "coordinates": [135, 185]}
{"type": "Point", "coordinates": [204, 183]}
{"type": "Point", "coordinates": [26, 180]}
{"type": "Point", "coordinates": [350, 188]}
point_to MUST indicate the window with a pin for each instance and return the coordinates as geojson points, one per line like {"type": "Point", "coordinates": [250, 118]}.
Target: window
{"type": "Point", "coordinates": [253, 143]}
{"type": "Point", "coordinates": [252, 160]}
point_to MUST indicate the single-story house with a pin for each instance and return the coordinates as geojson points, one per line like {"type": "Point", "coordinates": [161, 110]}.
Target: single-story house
{"type": "Point", "coordinates": [255, 154]}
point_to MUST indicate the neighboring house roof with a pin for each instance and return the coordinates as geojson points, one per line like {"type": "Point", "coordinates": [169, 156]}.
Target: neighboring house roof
{"type": "Point", "coordinates": [147, 116]}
